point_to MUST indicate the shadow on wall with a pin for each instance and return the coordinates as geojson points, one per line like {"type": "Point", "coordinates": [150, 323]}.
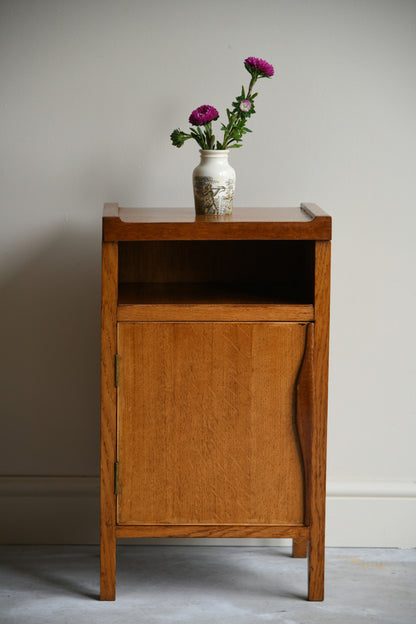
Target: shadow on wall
{"type": "Point", "coordinates": [50, 345]}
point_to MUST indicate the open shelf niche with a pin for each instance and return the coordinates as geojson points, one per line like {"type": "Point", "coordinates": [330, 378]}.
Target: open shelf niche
{"type": "Point", "coordinates": [267, 278]}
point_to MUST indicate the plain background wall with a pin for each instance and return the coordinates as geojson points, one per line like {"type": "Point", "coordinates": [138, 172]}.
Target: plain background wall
{"type": "Point", "coordinates": [90, 91]}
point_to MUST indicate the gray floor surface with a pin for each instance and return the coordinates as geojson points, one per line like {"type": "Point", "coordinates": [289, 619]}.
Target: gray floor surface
{"type": "Point", "coordinates": [203, 585]}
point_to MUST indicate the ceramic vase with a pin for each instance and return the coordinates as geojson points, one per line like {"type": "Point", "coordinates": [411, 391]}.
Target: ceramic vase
{"type": "Point", "coordinates": [214, 183]}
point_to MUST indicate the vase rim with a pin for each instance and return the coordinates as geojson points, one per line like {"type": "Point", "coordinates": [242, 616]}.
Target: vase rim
{"type": "Point", "coordinates": [214, 152]}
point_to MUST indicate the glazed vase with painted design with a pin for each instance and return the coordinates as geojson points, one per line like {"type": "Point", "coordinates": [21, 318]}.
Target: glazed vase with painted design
{"type": "Point", "coordinates": [214, 183]}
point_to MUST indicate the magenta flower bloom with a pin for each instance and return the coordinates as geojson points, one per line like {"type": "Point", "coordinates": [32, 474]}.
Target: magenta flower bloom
{"type": "Point", "coordinates": [257, 66]}
{"type": "Point", "coordinates": [203, 115]}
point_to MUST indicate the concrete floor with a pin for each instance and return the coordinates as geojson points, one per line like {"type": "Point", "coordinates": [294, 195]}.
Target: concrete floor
{"type": "Point", "coordinates": [204, 585]}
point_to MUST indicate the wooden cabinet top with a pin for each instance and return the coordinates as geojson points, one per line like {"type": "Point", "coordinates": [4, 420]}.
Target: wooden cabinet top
{"type": "Point", "coordinates": [306, 222]}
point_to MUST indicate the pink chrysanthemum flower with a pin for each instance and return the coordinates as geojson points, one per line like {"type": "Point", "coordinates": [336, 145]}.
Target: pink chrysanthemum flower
{"type": "Point", "coordinates": [245, 106]}
{"type": "Point", "coordinates": [259, 66]}
{"type": "Point", "coordinates": [203, 115]}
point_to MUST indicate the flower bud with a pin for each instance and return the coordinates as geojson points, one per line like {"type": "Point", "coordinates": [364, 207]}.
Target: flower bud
{"type": "Point", "coordinates": [245, 106]}
{"type": "Point", "coordinates": [178, 138]}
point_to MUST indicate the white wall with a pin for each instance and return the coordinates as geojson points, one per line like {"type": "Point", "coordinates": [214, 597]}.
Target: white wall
{"type": "Point", "coordinates": [90, 91]}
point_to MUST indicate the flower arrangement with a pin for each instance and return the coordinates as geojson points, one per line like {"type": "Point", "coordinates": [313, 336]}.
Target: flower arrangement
{"type": "Point", "coordinates": [242, 108]}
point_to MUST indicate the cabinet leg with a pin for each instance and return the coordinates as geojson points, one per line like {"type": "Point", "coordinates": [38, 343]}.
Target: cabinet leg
{"type": "Point", "coordinates": [316, 567]}
{"type": "Point", "coordinates": [300, 547]}
{"type": "Point", "coordinates": [108, 564]}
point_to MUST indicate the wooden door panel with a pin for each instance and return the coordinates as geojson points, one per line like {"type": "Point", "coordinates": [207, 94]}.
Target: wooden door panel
{"type": "Point", "coordinates": [206, 430]}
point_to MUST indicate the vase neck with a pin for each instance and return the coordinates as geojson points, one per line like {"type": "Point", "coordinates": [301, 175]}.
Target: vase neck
{"type": "Point", "coordinates": [214, 154]}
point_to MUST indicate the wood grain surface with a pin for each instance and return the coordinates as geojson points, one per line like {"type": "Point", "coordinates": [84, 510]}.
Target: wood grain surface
{"type": "Point", "coordinates": [217, 312]}
{"type": "Point", "coordinates": [299, 533]}
{"type": "Point", "coordinates": [300, 547]}
{"type": "Point", "coordinates": [305, 414]}
{"type": "Point", "coordinates": [245, 223]}
{"type": "Point", "coordinates": [319, 437]}
{"type": "Point", "coordinates": [206, 423]}
{"type": "Point", "coordinates": [108, 419]}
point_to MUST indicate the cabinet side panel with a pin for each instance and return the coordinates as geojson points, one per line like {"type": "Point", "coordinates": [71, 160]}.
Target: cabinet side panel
{"type": "Point", "coordinates": [319, 437]}
{"type": "Point", "coordinates": [108, 419]}
{"type": "Point", "coordinates": [206, 423]}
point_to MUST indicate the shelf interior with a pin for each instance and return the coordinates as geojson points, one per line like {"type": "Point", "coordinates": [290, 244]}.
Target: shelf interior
{"type": "Point", "coordinates": [176, 293]}
{"type": "Point", "coordinates": [216, 272]}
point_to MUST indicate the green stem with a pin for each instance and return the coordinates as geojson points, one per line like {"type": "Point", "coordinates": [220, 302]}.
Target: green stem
{"type": "Point", "coordinates": [196, 134]}
{"type": "Point", "coordinates": [231, 125]}
{"type": "Point", "coordinates": [251, 85]}
{"type": "Point", "coordinates": [236, 116]}
{"type": "Point", "coordinates": [209, 137]}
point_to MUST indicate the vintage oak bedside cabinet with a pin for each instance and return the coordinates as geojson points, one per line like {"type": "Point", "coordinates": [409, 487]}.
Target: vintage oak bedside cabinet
{"type": "Point", "coordinates": [214, 375]}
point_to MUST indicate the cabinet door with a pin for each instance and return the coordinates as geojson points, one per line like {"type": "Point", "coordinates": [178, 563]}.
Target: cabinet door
{"type": "Point", "coordinates": [206, 428]}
